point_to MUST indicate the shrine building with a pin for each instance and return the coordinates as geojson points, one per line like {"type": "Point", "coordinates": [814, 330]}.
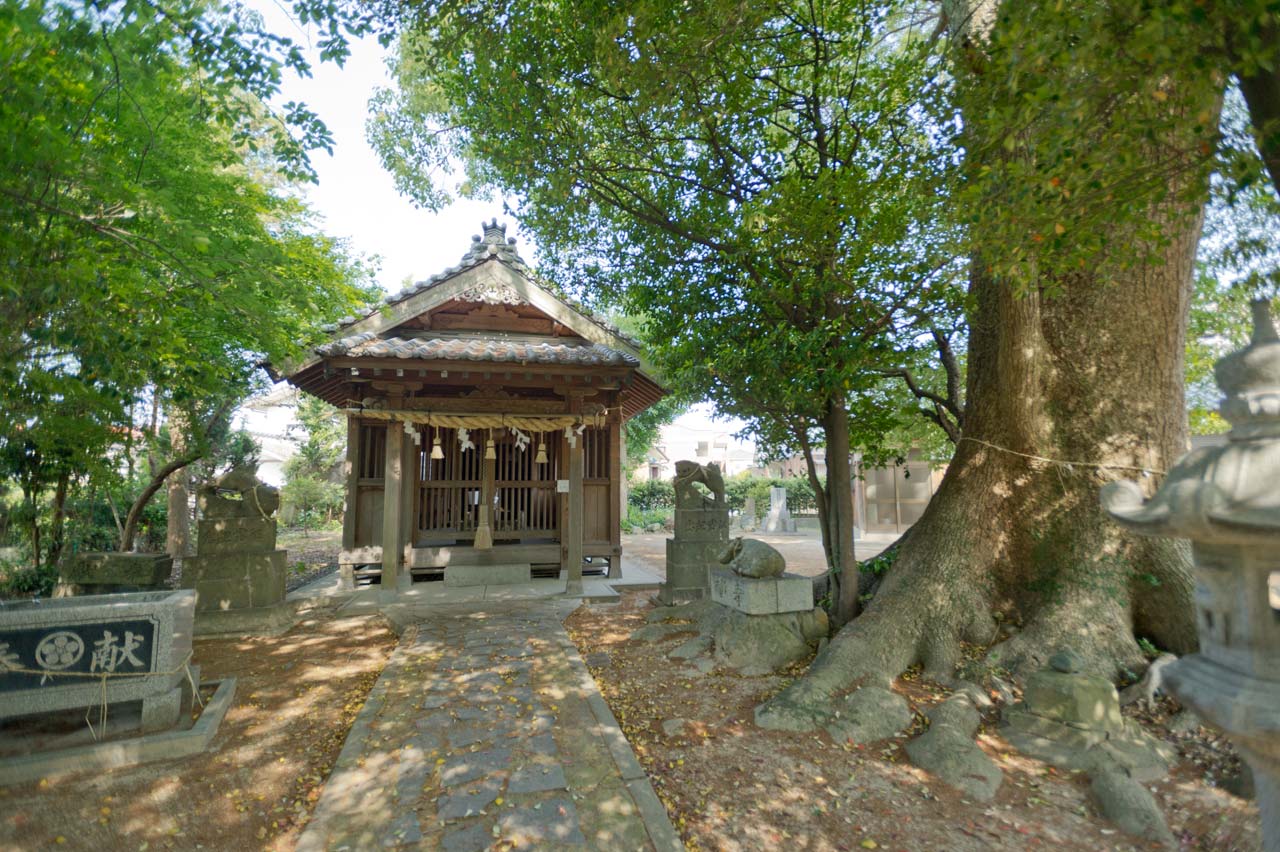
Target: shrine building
{"type": "Point", "coordinates": [484, 426]}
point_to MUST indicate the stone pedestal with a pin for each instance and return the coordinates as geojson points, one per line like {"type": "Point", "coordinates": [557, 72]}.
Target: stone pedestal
{"type": "Point", "coordinates": [768, 596]}
{"type": "Point", "coordinates": [108, 573]}
{"type": "Point", "coordinates": [700, 537]}
{"type": "Point", "coordinates": [239, 577]}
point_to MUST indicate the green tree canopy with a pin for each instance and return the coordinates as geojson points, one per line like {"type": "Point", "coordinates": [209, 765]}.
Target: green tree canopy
{"type": "Point", "coordinates": [758, 184]}
{"type": "Point", "coordinates": [152, 247]}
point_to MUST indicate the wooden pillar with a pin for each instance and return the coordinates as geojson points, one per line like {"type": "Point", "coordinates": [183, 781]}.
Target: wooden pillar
{"type": "Point", "coordinates": [572, 549]}
{"type": "Point", "coordinates": [488, 488]}
{"type": "Point", "coordinates": [352, 471]}
{"type": "Point", "coordinates": [408, 500]}
{"type": "Point", "coordinates": [393, 508]}
{"type": "Point", "coordinates": [617, 485]}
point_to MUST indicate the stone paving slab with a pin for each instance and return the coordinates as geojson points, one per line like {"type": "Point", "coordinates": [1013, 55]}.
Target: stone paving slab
{"type": "Point", "coordinates": [486, 728]}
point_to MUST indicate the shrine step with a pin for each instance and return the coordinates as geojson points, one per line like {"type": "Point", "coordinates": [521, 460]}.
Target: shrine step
{"type": "Point", "coordinates": [487, 575]}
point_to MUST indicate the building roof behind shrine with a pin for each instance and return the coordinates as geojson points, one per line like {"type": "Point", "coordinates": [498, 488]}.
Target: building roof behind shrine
{"type": "Point", "coordinates": [487, 310]}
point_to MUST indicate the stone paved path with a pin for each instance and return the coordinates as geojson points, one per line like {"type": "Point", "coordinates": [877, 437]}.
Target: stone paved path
{"type": "Point", "coordinates": [486, 730]}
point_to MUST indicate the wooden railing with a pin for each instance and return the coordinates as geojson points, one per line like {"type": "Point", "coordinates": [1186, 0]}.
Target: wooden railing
{"type": "Point", "coordinates": [525, 502]}
{"type": "Point", "coordinates": [527, 511]}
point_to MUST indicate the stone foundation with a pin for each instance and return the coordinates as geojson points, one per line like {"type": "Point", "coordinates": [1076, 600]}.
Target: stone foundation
{"type": "Point", "coordinates": [459, 576]}
{"type": "Point", "coordinates": [701, 536]}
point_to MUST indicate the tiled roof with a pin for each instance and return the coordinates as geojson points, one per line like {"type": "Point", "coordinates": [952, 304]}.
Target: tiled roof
{"type": "Point", "coordinates": [494, 244]}
{"type": "Point", "coordinates": [369, 345]}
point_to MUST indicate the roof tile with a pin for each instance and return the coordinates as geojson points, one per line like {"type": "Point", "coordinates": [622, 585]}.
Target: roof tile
{"type": "Point", "coordinates": [369, 345]}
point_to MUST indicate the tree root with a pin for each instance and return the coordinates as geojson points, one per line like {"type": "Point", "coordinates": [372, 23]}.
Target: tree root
{"type": "Point", "coordinates": [907, 623]}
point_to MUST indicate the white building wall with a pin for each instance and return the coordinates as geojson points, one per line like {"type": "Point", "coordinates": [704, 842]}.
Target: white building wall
{"type": "Point", "coordinates": [697, 436]}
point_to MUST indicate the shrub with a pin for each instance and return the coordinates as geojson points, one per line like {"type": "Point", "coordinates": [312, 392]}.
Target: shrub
{"type": "Point", "coordinates": [24, 581]}
{"type": "Point", "coordinates": [651, 495]}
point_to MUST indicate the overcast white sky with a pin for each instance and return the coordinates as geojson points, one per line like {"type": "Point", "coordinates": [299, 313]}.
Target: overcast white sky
{"type": "Point", "coordinates": [357, 198]}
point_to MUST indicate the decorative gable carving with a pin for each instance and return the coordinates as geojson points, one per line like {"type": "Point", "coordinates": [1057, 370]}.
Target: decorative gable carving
{"type": "Point", "coordinates": [489, 391]}
{"type": "Point", "coordinates": [492, 293]}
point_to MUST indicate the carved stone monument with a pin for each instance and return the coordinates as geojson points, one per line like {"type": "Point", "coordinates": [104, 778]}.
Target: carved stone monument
{"type": "Point", "coordinates": [755, 582]}
{"type": "Point", "coordinates": [97, 651]}
{"type": "Point", "coordinates": [701, 532]}
{"type": "Point", "coordinates": [238, 574]}
{"type": "Point", "coordinates": [1226, 499]}
{"type": "Point", "coordinates": [779, 519]}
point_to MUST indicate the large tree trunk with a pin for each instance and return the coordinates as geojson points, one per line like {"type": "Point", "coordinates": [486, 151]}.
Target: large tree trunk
{"type": "Point", "coordinates": [1094, 375]}
{"type": "Point", "coordinates": [1014, 552]}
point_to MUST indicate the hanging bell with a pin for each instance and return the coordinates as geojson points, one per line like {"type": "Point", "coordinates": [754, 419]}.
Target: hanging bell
{"type": "Point", "coordinates": [541, 458]}
{"type": "Point", "coordinates": [489, 452]}
{"type": "Point", "coordinates": [436, 451]}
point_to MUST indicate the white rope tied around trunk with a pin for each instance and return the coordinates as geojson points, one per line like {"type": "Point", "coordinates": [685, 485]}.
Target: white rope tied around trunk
{"type": "Point", "coordinates": [1069, 465]}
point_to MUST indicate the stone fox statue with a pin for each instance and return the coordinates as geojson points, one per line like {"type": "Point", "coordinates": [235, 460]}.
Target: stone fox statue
{"type": "Point", "coordinates": [253, 498]}
{"type": "Point", "coordinates": [750, 558]}
{"type": "Point", "coordinates": [689, 497]}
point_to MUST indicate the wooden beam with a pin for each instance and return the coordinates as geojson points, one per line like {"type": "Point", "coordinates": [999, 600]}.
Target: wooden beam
{"type": "Point", "coordinates": [408, 501]}
{"type": "Point", "coordinates": [487, 367]}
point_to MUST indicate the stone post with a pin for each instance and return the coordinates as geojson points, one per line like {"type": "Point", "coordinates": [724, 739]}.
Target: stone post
{"type": "Point", "coordinates": [701, 532]}
{"type": "Point", "coordinates": [1227, 501]}
{"type": "Point", "coordinates": [779, 517]}
{"type": "Point", "coordinates": [237, 572]}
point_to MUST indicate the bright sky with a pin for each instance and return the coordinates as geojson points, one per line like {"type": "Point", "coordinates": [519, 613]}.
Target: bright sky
{"type": "Point", "coordinates": [358, 200]}
{"type": "Point", "coordinates": [355, 195]}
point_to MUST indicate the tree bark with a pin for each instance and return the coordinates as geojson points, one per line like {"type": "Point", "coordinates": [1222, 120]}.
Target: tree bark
{"type": "Point", "coordinates": [839, 498]}
{"type": "Point", "coordinates": [135, 511]}
{"type": "Point", "coordinates": [57, 525]}
{"type": "Point", "coordinates": [1013, 539]}
{"type": "Point", "coordinates": [1261, 89]}
{"type": "Point", "coordinates": [178, 517]}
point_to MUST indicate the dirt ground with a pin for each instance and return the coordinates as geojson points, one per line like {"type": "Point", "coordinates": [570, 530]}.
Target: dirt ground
{"type": "Point", "coordinates": [296, 697]}
{"type": "Point", "coordinates": [729, 785]}
{"type": "Point", "coordinates": [316, 550]}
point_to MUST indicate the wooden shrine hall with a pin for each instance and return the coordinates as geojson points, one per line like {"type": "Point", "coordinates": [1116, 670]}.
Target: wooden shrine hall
{"type": "Point", "coordinates": [484, 426]}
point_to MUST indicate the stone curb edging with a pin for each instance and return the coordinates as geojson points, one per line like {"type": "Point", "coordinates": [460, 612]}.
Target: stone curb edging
{"type": "Point", "coordinates": [122, 753]}
{"type": "Point", "coordinates": [314, 836]}
{"type": "Point", "coordinates": [652, 812]}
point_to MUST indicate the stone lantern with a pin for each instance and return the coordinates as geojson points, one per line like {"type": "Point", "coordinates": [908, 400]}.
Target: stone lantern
{"type": "Point", "coordinates": [1226, 499]}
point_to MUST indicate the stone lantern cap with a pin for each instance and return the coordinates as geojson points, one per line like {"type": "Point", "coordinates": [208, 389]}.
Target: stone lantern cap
{"type": "Point", "coordinates": [1224, 494]}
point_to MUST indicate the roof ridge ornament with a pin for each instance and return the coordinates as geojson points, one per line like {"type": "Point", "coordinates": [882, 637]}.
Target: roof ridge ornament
{"type": "Point", "coordinates": [493, 243]}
